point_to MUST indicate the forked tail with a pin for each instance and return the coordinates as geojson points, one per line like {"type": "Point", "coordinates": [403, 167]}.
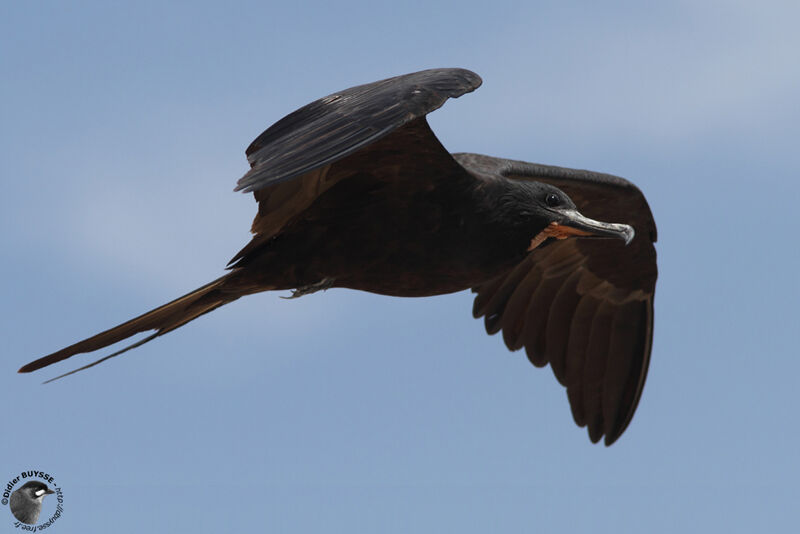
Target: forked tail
{"type": "Point", "coordinates": [163, 319]}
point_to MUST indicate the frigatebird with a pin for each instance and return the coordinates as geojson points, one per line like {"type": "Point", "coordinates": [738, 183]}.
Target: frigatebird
{"type": "Point", "coordinates": [355, 191]}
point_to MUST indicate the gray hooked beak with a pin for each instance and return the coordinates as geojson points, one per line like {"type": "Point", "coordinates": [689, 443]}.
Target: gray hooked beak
{"type": "Point", "coordinates": [577, 224]}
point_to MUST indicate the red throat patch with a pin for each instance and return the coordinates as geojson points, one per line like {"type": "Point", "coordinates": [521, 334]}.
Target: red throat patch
{"type": "Point", "coordinates": [557, 231]}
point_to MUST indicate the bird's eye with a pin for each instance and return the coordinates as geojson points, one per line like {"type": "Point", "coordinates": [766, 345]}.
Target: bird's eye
{"type": "Point", "coordinates": [552, 200]}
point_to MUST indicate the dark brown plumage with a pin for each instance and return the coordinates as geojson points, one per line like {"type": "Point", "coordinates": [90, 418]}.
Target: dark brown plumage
{"type": "Point", "coordinates": [354, 190]}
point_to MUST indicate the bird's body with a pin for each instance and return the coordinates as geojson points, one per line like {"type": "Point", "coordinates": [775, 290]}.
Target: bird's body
{"type": "Point", "coordinates": [355, 191]}
{"type": "Point", "coordinates": [26, 502]}
{"type": "Point", "coordinates": [387, 231]}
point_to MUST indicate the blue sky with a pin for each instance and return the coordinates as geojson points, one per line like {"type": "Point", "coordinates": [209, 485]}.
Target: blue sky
{"type": "Point", "coordinates": [123, 134]}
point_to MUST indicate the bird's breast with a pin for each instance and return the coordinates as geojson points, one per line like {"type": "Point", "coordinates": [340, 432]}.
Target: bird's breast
{"type": "Point", "coordinates": [419, 252]}
{"type": "Point", "coordinates": [391, 240]}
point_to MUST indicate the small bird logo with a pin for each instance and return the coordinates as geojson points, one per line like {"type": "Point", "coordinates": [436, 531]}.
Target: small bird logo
{"type": "Point", "coordinates": [26, 502]}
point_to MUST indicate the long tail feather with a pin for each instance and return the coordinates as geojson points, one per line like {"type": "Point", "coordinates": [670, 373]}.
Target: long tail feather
{"type": "Point", "coordinates": [163, 319]}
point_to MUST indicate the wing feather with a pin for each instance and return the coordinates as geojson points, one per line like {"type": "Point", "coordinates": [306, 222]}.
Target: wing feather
{"type": "Point", "coordinates": [582, 305]}
{"type": "Point", "coordinates": [594, 368]}
{"type": "Point", "coordinates": [627, 339]}
{"type": "Point", "coordinates": [497, 304]}
{"type": "Point", "coordinates": [309, 151]}
{"type": "Point", "coordinates": [516, 314]}
{"type": "Point", "coordinates": [340, 124]}
{"type": "Point", "coordinates": [559, 321]}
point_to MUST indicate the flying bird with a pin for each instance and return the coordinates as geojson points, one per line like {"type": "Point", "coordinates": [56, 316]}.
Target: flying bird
{"type": "Point", "coordinates": [26, 502]}
{"type": "Point", "coordinates": [354, 190]}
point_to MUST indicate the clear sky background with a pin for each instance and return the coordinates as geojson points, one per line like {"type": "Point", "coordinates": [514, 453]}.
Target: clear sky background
{"type": "Point", "coordinates": [122, 134]}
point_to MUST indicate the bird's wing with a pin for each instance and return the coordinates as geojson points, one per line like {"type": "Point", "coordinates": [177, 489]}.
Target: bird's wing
{"type": "Point", "coordinates": [310, 150]}
{"type": "Point", "coordinates": [583, 305]}
{"type": "Point", "coordinates": [333, 127]}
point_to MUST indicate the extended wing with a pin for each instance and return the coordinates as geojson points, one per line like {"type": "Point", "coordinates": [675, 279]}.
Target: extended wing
{"type": "Point", "coordinates": [310, 150]}
{"type": "Point", "coordinates": [583, 305]}
{"type": "Point", "coordinates": [333, 127]}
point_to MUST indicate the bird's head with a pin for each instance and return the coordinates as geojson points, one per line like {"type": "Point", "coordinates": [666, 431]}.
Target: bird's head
{"type": "Point", "coordinates": [550, 213]}
{"type": "Point", "coordinates": [35, 490]}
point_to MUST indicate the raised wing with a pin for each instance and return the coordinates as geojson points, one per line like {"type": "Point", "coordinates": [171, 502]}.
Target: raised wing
{"type": "Point", "coordinates": [583, 305]}
{"type": "Point", "coordinates": [396, 160]}
{"type": "Point", "coordinates": [310, 150]}
{"type": "Point", "coordinates": [339, 124]}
